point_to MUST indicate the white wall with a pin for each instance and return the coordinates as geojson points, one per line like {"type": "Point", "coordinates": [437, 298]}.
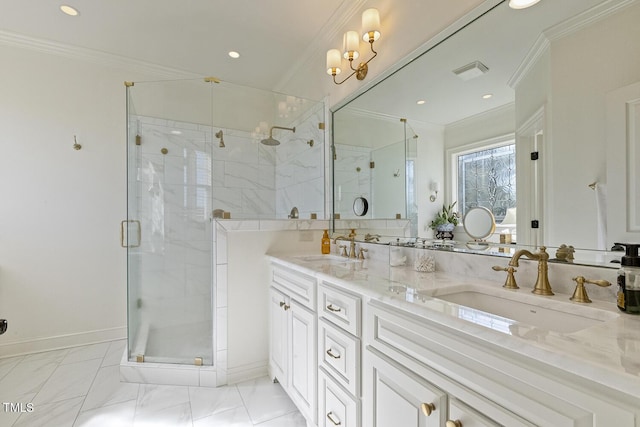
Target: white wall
{"type": "Point", "coordinates": [429, 168]}
{"type": "Point", "coordinates": [248, 282]}
{"type": "Point", "coordinates": [62, 270]}
{"type": "Point", "coordinates": [585, 66]}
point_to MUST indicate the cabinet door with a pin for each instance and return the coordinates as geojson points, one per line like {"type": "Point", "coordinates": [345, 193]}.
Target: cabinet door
{"type": "Point", "coordinates": [394, 396]}
{"type": "Point", "coordinates": [303, 367]}
{"type": "Point", "coordinates": [278, 333]}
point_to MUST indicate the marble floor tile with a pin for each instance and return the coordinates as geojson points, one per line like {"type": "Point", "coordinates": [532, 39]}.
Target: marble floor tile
{"type": "Point", "coordinates": [88, 352]}
{"type": "Point", "coordinates": [207, 401]}
{"type": "Point", "coordinates": [108, 390]}
{"type": "Point", "coordinates": [152, 398]}
{"type": "Point", "coordinates": [118, 415]}
{"type": "Point", "coordinates": [114, 353]}
{"type": "Point", "coordinates": [55, 355]}
{"type": "Point", "coordinates": [264, 399]}
{"type": "Point", "coordinates": [293, 419]}
{"type": "Point", "coordinates": [26, 378]}
{"type": "Point", "coordinates": [173, 416]}
{"type": "Point", "coordinates": [237, 417]}
{"type": "Point", "coordinates": [6, 365]}
{"type": "Point", "coordinates": [58, 414]}
{"type": "Point", "coordinates": [7, 417]}
{"type": "Point", "coordinates": [81, 387]}
{"type": "Point", "coordinates": [67, 381]}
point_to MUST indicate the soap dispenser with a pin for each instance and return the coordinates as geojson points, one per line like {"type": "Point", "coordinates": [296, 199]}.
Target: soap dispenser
{"type": "Point", "coordinates": [629, 280]}
{"type": "Point", "coordinates": [326, 243]}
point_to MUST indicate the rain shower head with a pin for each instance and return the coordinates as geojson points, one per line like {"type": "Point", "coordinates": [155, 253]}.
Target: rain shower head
{"type": "Point", "coordinates": [271, 141]}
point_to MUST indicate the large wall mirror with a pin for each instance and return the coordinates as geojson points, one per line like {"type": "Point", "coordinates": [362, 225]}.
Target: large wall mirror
{"type": "Point", "coordinates": [533, 114]}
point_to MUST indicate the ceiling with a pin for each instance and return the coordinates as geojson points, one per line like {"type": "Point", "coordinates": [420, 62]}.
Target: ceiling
{"type": "Point", "coordinates": [273, 37]}
{"type": "Point", "coordinates": [501, 40]}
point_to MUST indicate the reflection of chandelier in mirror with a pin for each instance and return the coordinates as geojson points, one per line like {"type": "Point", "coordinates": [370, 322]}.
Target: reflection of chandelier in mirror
{"type": "Point", "coordinates": [522, 4]}
{"type": "Point", "coordinates": [351, 44]}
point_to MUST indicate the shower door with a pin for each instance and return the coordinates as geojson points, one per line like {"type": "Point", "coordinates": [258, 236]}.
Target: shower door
{"type": "Point", "coordinates": [168, 231]}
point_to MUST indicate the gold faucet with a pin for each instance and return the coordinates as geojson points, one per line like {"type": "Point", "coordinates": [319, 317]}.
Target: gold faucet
{"type": "Point", "coordinates": [542, 286]}
{"type": "Point", "coordinates": [352, 244]}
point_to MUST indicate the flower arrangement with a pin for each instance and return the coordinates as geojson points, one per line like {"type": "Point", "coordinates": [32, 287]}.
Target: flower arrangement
{"type": "Point", "coordinates": [446, 216]}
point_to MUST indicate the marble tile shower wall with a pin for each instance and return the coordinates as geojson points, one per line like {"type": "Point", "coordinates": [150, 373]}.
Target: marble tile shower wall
{"type": "Point", "coordinates": [299, 172]}
{"type": "Point", "coordinates": [353, 182]}
{"type": "Point", "coordinates": [173, 193]}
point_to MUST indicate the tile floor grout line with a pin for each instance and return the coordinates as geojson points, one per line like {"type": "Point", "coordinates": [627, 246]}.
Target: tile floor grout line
{"type": "Point", "coordinates": [91, 385]}
{"type": "Point", "coordinates": [12, 368]}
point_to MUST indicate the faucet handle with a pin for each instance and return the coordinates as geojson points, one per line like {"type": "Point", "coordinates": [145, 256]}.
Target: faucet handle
{"type": "Point", "coordinates": [580, 293]}
{"type": "Point", "coordinates": [343, 252]}
{"type": "Point", "coordinates": [510, 282]}
{"type": "Point", "coordinates": [361, 253]}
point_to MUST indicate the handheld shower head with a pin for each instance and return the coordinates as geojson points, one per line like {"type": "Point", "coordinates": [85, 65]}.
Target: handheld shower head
{"type": "Point", "coordinates": [271, 141]}
{"type": "Point", "coordinates": [220, 135]}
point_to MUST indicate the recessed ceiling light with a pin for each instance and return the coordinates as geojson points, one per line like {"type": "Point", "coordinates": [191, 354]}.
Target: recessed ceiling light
{"type": "Point", "coordinates": [234, 54]}
{"type": "Point", "coordinates": [487, 96]}
{"type": "Point", "coordinates": [71, 11]}
{"type": "Point", "coordinates": [522, 4]}
{"type": "Point", "coordinates": [421, 102]}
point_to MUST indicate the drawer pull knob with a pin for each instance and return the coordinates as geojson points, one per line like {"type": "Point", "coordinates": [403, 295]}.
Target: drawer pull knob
{"type": "Point", "coordinates": [330, 353]}
{"type": "Point", "coordinates": [332, 419]}
{"type": "Point", "coordinates": [453, 423]}
{"type": "Point", "coordinates": [330, 307]}
{"type": "Point", "coordinates": [286, 307]}
{"type": "Point", "coordinates": [427, 408]}
{"type": "Point", "coordinates": [282, 303]}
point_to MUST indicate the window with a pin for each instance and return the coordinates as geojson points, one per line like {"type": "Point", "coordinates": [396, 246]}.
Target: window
{"type": "Point", "coordinates": [486, 177]}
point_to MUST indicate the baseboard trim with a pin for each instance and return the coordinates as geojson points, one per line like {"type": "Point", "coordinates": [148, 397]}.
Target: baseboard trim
{"type": "Point", "coordinates": [38, 345]}
{"type": "Point", "coordinates": [246, 372]}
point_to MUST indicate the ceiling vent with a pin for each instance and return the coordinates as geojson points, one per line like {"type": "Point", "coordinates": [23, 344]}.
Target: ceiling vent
{"type": "Point", "coordinates": [470, 71]}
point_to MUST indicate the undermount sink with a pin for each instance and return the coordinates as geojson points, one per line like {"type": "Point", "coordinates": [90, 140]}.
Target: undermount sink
{"type": "Point", "coordinates": [531, 310]}
{"type": "Point", "coordinates": [326, 258]}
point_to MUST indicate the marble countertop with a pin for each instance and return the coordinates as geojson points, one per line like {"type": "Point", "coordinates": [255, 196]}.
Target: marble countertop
{"type": "Point", "coordinates": [607, 352]}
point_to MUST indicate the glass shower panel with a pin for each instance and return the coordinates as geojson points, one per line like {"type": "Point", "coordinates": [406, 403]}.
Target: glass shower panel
{"type": "Point", "coordinates": [169, 149]}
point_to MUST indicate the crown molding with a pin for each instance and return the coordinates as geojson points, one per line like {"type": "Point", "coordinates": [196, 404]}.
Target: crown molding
{"type": "Point", "coordinates": [540, 46]}
{"type": "Point", "coordinates": [563, 29]}
{"type": "Point", "coordinates": [586, 18]}
{"type": "Point", "coordinates": [505, 108]}
{"type": "Point", "coordinates": [93, 56]}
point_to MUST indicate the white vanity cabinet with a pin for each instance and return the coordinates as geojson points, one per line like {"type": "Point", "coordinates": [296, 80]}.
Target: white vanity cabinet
{"type": "Point", "coordinates": [419, 373]}
{"type": "Point", "coordinates": [293, 337]}
{"type": "Point", "coordinates": [339, 357]}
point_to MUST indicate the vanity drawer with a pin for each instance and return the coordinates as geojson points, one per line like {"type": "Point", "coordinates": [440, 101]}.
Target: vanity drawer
{"type": "Point", "coordinates": [300, 286]}
{"type": "Point", "coordinates": [335, 406]}
{"type": "Point", "coordinates": [339, 354]}
{"type": "Point", "coordinates": [340, 308]}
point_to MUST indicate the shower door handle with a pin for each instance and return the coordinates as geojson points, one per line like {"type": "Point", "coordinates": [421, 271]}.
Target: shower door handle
{"type": "Point", "coordinates": [124, 227]}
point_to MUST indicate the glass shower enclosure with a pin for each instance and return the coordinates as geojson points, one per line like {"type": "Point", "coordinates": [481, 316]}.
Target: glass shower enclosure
{"type": "Point", "coordinates": [194, 155]}
{"type": "Point", "coordinates": [168, 229]}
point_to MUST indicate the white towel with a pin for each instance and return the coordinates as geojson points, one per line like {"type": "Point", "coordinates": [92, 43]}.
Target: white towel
{"type": "Point", "coordinates": [601, 210]}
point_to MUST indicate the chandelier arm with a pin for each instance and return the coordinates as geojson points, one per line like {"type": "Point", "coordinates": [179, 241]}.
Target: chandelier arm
{"type": "Point", "coordinates": [345, 79]}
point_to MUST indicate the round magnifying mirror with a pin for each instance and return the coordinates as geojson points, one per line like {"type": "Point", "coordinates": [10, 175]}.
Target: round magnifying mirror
{"type": "Point", "coordinates": [479, 224]}
{"type": "Point", "coordinates": [360, 206]}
